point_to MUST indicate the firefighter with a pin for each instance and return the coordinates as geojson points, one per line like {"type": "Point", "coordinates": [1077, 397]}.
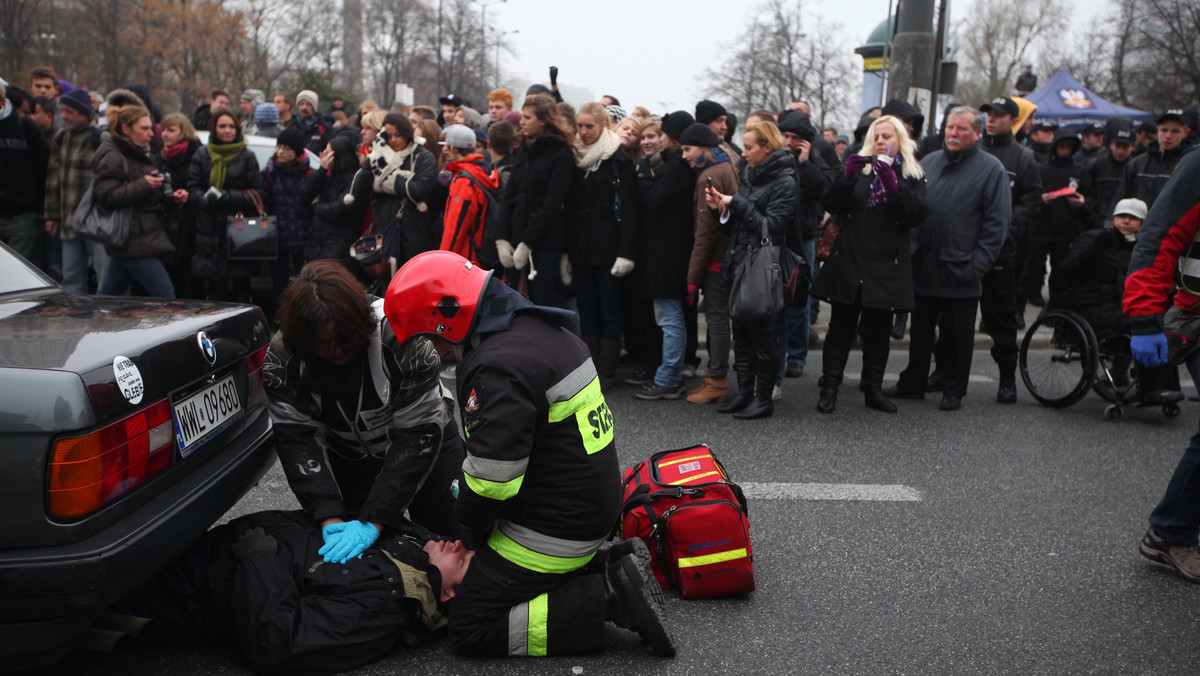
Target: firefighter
{"type": "Point", "coordinates": [540, 488]}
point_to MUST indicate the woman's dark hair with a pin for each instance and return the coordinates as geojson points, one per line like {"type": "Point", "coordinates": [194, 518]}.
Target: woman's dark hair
{"type": "Point", "coordinates": [545, 109]}
{"type": "Point", "coordinates": [324, 292]}
{"type": "Point", "coordinates": [212, 126]}
{"type": "Point", "coordinates": [402, 125]}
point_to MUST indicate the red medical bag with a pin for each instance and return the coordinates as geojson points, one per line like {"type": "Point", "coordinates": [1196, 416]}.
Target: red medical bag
{"type": "Point", "coordinates": [693, 519]}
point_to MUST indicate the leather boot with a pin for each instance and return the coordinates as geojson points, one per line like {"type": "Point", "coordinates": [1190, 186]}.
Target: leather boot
{"type": "Point", "coordinates": [606, 365]}
{"type": "Point", "coordinates": [743, 363]}
{"type": "Point", "coordinates": [1006, 393]}
{"type": "Point", "coordinates": [762, 406]}
{"type": "Point", "coordinates": [709, 391]}
{"type": "Point", "coordinates": [874, 364]}
{"type": "Point", "coordinates": [827, 402]}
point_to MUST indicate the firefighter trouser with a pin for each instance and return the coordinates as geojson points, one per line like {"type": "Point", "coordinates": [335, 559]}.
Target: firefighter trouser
{"type": "Point", "coordinates": [504, 609]}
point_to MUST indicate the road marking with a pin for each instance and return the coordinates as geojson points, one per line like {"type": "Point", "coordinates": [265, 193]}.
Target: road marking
{"type": "Point", "coordinates": [892, 377]}
{"type": "Point", "coordinates": [810, 491]}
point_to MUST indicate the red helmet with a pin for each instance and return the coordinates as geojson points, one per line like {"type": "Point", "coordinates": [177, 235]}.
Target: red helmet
{"type": "Point", "coordinates": [436, 292]}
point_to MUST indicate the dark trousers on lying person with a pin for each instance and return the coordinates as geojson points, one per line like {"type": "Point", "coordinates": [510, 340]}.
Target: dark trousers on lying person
{"type": "Point", "coordinates": [958, 329]}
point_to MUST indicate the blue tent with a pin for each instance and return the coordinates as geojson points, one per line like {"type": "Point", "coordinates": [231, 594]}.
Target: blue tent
{"type": "Point", "coordinates": [1063, 101]}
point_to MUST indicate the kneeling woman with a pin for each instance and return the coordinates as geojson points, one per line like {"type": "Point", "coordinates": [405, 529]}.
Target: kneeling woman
{"type": "Point", "coordinates": [361, 428]}
{"type": "Point", "coordinates": [881, 197]}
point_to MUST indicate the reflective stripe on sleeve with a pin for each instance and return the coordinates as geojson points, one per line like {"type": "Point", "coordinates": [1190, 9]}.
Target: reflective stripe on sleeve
{"type": "Point", "coordinates": [592, 416]}
{"type": "Point", "coordinates": [539, 608]}
{"type": "Point", "coordinates": [494, 479]}
{"type": "Point", "coordinates": [518, 630]}
{"type": "Point", "coordinates": [541, 553]}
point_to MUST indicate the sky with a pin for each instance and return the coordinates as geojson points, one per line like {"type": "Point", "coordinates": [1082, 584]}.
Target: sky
{"type": "Point", "coordinates": [652, 53]}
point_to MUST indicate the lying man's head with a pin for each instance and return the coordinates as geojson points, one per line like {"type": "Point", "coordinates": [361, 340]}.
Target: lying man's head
{"type": "Point", "coordinates": [452, 560]}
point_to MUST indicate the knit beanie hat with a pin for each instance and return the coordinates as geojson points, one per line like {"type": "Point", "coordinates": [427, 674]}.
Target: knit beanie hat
{"type": "Point", "coordinates": [292, 138]}
{"type": "Point", "coordinates": [674, 123]}
{"type": "Point", "coordinates": [78, 99]}
{"type": "Point", "coordinates": [699, 135]}
{"type": "Point", "coordinates": [310, 96]}
{"type": "Point", "coordinates": [707, 111]}
{"type": "Point", "coordinates": [514, 118]}
{"type": "Point", "coordinates": [799, 124]}
{"type": "Point", "coordinates": [617, 113]}
{"type": "Point", "coordinates": [265, 115]}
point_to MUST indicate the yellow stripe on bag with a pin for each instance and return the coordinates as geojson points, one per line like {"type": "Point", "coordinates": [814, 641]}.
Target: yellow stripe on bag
{"type": "Point", "coordinates": [680, 461]}
{"type": "Point", "coordinates": [709, 559]}
{"type": "Point", "coordinates": [693, 478]}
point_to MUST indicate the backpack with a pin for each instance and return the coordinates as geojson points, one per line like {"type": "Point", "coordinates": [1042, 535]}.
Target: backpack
{"type": "Point", "coordinates": [693, 519]}
{"type": "Point", "coordinates": [486, 252]}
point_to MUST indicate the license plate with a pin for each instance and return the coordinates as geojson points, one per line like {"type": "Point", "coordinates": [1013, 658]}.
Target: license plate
{"type": "Point", "coordinates": [205, 412]}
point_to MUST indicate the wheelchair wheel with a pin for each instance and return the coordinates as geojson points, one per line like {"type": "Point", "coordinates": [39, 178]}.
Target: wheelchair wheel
{"type": "Point", "coordinates": [1058, 359]}
{"type": "Point", "coordinates": [1112, 412]}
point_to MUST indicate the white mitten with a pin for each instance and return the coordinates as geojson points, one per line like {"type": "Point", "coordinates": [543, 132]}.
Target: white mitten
{"type": "Point", "coordinates": [504, 251]}
{"type": "Point", "coordinates": [521, 256]}
{"type": "Point", "coordinates": [622, 267]}
{"type": "Point", "coordinates": [564, 270]}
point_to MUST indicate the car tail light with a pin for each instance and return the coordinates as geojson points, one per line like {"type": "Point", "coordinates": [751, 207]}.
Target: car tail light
{"type": "Point", "coordinates": [255, 394]}
{"type": "Point", "coordinates": [88, 472]}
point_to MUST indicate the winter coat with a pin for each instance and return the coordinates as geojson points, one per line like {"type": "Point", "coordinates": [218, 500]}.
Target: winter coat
{"type": "Point", "coordinates": [1148, 173]}
{"type": "Point", "coordinates": [68, 175]}
{"type": "Point", "coordinates": [181, 218]}
{"type": "Point", "coordinates": [1105, 175]}
{"type": "Point", "coordinates": [604, 210]}
{"type": "Point", "coordinates": [467, 206]}
{"type": "Point", "coordinates": [534, 207]}
{"type": "Point", "coordinates": [282, 198]}
{"type": "Point", "coordinates": [121, 169]}
{"type": "Point", "coordinates": [23, 158]}
{"type": "Point", "coordinates": [1091, 278]}
{"type": "Point", "coordinates": [1026, 82]}
{"type": "Point", "coordinates": [335, 225]}
{"type": "Point", "coordinates": [970, 208]}
{"type": "Point", "coordinates": [317, 130]}
{"type": "Point", "coordinates": [710, 243]}
{"type": "Point", "coordinates": [419, 231]}
{"type": "Point", "coordinates": [766, 197]}
{"type": "Point", "coordinates": [812, 178]}
{"type": "Point", "coordinates": [1024, 180]}
{"type": "Point", "coordinates": [873, 249]}
{"type": "Point", "coordinates": [210, 261]}
{"type": "Point", "coordinates": [1058, 219]}
{"type": "Point", "coordinates": [668, 228]}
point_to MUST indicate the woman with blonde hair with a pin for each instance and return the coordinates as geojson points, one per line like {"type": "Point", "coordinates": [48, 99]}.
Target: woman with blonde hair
{"type": "Point", "coordinates": [881, 197]}
{"type": "Point", "coordinates": [629, 132]}
{"type": "Point", "coordinates": [179, 145]}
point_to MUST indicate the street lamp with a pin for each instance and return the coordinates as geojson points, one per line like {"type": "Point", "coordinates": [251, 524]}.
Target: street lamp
{"type": "Point", "coordinates": [498, 38]}
{"type": "Point", "coordinates": [484, 4]}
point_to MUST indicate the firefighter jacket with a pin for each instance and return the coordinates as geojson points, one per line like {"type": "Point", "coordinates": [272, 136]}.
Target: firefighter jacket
{"type": "Point", "coordinates": [541, 485]}
{"type": "Point", "coordinates": [1167, 250]}
{"type": "Point", "coordinates": [383, 407]}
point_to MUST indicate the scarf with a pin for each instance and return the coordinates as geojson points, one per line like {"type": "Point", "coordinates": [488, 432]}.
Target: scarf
{"type": "Point", "coordinates": [876, 197]}
{"type": "Point", "coordinates": [386, 164]}
{"type": "Point", "coordinates": [718, 156]}
{"type": "Point", "coordinates": [222, 154]}
{"type": "Point", "coordinates": [590, 157]}
{"type": "Point", "coordinates": [172, 152]}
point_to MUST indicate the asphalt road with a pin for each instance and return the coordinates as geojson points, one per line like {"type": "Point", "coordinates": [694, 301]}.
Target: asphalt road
{"type": "Point", "coordinates": [1020, 555]}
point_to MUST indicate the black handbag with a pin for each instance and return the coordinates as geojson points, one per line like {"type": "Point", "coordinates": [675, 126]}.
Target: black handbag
{"type": "Point", "coordinates": [252, 238]}
{"type": "Point", "coordinates": [797, 275]}
{"type": "Point", "coordinates": [757, 288]}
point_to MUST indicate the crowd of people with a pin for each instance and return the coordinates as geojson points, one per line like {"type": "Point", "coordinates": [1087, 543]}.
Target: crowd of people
{"type": "Point", "coordinates": [631, 221]}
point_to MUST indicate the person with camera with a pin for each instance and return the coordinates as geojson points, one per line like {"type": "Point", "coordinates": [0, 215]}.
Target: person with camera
{"type": "Point", "coordinates": [881, 196]}
{"type": "Point", "coordinates": [126, 177]}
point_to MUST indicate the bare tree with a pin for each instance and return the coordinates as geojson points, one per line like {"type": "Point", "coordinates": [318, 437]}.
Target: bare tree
{"type": "Point", "coordinates": [997, 39]}
{"type": "Point", "coordinates": [18, 19]}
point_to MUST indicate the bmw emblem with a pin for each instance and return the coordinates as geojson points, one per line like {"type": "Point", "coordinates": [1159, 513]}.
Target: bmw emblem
{"type": "Point", "coordinates": [207, 347]}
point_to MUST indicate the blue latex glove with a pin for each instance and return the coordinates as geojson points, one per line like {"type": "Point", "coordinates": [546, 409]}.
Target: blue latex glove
{"type": "Point", "coordinates": [331, 529]}
{"type": "Point", "coordinates": [352, 541]}
{"type": "Point", "coordinates": [854, 164]}
{"type": "Point", "coordinates": [1149, 350]}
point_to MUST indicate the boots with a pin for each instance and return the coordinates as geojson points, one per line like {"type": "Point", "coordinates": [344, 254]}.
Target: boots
{"type": "Point", "coordinates": [827, 402]}
{"type": "Point", "coordinates": [874, 365]}
{"type": "Point", "coordinates": [762, 406]}
{"type": "Point", "coordinates": [833, 365]}
{"type": "Point", "coordinates": [743, 362]}
{"type": "Point", "coordinates": [709, 391]}
{"type": "Point", "coordinates": [606, 364]}
{"type": "Point", "coordinates": [1007, 392]}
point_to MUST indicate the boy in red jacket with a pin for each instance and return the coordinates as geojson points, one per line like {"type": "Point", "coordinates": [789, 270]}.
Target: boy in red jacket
{"type": "Point", "coordinates": [470, 185]}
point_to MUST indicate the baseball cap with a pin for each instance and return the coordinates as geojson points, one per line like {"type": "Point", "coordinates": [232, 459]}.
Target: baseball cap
{"type": "Point", "coordinates": [1002, 104]}
{"type": "Point", "coordinates": [1042, 125]}
{"type": "Point", "coordinates": [454, 100]}
{"type": "Point", "coordinates": [1175, 114]}
{"type": "Point", "coordinates": [1132, 207]}
{"type": "Point", "coordinates": [1094, 128]}
{"type": "Point", "coordinates": [459, 136]}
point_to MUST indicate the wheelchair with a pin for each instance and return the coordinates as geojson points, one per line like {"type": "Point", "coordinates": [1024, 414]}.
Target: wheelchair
{"type": "Point", "coordinates": [1061, 359]}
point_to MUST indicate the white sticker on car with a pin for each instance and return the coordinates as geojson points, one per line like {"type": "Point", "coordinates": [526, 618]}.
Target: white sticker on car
{"type": "Point", "coordinates": [129, 379]}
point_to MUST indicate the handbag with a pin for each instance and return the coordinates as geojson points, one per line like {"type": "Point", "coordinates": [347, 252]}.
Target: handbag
{"type": "Point", "coordinates": [797, 275]}
{"type": "Point", "coordinates": [827, 236]}
{"type": "Point", "coordinates": [252, 238]}
{"type": "Point", "coordinates": [757, 288]}
{"type": "Point", "coordinates": [109, 227]}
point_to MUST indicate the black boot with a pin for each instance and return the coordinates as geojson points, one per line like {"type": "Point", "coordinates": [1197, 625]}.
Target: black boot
{"type": "Point", "coordinates": [898, 325]}
{"type": "Point", "coordinates": [1007, 392]}
{"type": "Point", "coordinates": [767, 363]}
{"type": "Point", "coordinates": [827, 402]}
{"type": "Point", "coordinates": [743, 363]}
{"type": "Point", "coordinates": [874, 365]}
{"type": "Point", "coordinates": [606, 363]}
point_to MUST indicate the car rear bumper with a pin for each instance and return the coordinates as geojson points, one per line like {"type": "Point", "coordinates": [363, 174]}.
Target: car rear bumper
{"type": "Point", "coordinates": [49, 595]}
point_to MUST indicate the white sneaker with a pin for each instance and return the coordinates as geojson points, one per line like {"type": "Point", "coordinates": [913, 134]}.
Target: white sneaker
{"type": "Point", "coordinates": [688, 371]}
{"type": "Point", "coordinates": [777, 393]}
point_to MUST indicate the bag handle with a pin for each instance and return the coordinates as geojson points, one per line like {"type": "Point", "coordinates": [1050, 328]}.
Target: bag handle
{"type": "Point", "coordinates": [257, 200]}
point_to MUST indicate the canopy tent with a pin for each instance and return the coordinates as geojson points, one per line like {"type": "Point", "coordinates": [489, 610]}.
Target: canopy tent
{"type": "Point", "coordinates": [1063, 101]}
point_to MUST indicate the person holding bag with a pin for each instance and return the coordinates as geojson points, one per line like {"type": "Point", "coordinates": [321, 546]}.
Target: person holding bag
{"type": "Point", "coordinates": [220, 184]}
{"type": "Point", "coordinates": [126, 178]}
{"type": "Point", "coordinates": [765, 203]}
{"type": "Point", "coordinates": [880, 198]}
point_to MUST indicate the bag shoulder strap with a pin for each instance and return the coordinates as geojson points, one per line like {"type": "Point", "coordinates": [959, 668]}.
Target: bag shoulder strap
{"type": "Point", "coordinates": [257, 200]}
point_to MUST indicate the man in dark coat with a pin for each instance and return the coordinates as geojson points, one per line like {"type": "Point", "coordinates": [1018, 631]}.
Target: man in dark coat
{"type": "Point", "coordinates": [1026, 81]}
{"type": "Point", "coordinates": [970, 208]}
{"type": "Point", "coordinates": [1107, 171]}
{"type": "Point", "coordinates": [1146, 175]}
{"type": "Point", "coordinates": [23, 158]}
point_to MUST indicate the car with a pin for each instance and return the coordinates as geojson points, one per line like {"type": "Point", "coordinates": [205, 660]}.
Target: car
{"type": "Point", "coordinates": [128, 426]}
{"type": "Point", "coordinates": [263, 148]}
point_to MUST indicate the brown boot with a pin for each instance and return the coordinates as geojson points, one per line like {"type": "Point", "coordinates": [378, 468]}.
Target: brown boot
{"type": "Point", "coordinates": [709, 391]}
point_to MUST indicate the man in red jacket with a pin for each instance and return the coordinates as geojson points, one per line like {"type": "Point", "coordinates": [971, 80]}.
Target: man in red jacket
{"type": "Point", "coordinates": [1163, 260]}
{"type": "Point", "coordinates": [471, 183]}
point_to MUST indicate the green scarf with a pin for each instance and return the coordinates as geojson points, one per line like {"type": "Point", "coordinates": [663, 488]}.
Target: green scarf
{"type": "Point", "coordinates": [222, 154]}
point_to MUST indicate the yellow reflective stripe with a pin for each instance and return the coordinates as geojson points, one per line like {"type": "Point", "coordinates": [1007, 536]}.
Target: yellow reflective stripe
{"type": "Point", "coordinates": [693, 561]}
{"type": "Point", "coordinates": [592, 415]}
{"type": "Point", "coordinates": [683, 460]}
{"type": "Point", "coordinates": [496, 490]}
{"type": "Point", "coordinates": [539, 608]}
{"type": "Point", "coordinates": [693, 478]}
{"type": "Point", "coordinates": [535, 561]}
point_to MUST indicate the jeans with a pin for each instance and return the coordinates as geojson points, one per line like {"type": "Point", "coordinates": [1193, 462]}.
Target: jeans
{"type": "Point", "coordinates": [75, 255]}
{"type": "Point", "coordinates": [668, 314]}
{"type": "Point", "coordinates": [794, 325]}
{"type": "Point", "coordinates": [149, 272]}
{"type": "Point", "coordinates": [1176, 519]}
{"type": "Point", "coordinates": [599, 296]}
{"type": "Point", "coordinates": [716, 314]}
